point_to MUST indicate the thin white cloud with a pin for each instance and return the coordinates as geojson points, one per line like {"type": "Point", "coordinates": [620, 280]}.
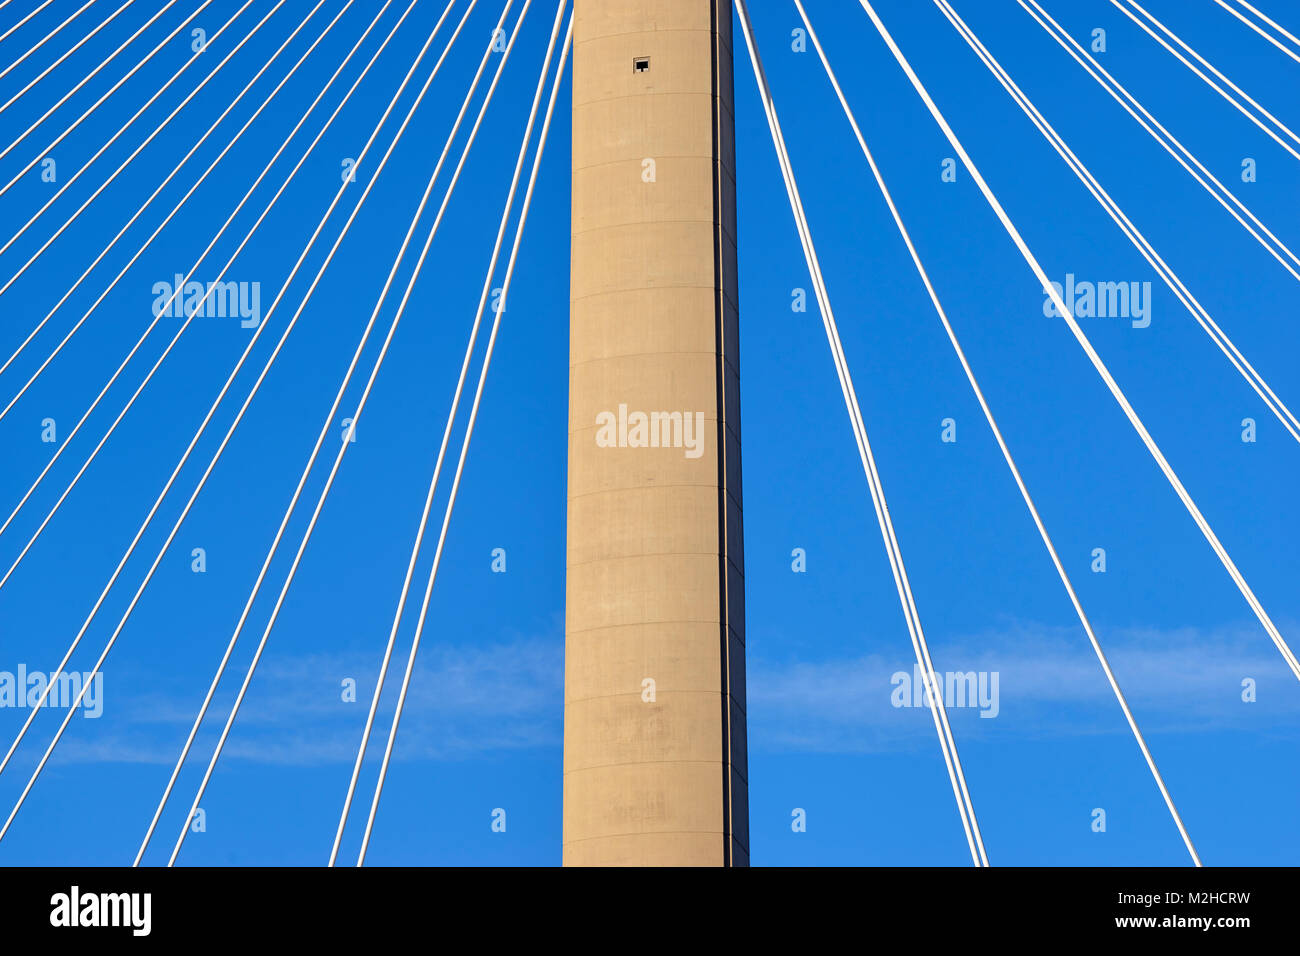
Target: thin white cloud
{"type": "Point", "coordinates": [467, 701]}
{"type": "Point", "coordinates": [463, 701]}
{"type": "Point", "coordinates": [1049, 684]}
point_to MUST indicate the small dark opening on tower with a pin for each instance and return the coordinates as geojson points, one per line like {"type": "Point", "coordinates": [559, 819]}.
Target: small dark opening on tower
{"type": "Point", "coordinates": [641, 64]}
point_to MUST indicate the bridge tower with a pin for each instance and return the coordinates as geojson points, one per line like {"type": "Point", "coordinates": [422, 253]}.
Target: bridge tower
{"type": "Point", "coordinates": [655, 769]}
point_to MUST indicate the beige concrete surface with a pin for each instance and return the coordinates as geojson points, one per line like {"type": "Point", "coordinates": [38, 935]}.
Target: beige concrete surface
{"type": "Point", "coordinates": [655, 771]}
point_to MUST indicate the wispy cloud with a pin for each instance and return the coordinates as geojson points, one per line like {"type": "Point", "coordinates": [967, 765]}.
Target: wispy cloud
{"type": "Point", "coordinates": [508, 696]}
{"type": "Point", "coordinates": [1050, 684]}
{"type": "Point", "coordinates": [463, 701]}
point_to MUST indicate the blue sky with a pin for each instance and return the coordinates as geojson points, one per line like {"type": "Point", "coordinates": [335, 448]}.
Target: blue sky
{"type": "Point", "coordinates": [483, 726]}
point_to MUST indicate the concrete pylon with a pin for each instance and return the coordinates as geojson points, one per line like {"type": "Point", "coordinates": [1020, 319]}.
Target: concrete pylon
{"type": "Point", "coordinates": [655, 770]}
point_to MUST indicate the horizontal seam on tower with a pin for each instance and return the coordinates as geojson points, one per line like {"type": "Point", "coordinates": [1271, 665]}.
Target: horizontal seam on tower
{"type": "Point", "coordinates": [610, 491]}
{"type": "Point", "coordinates": [707, 31]}
{"type": "Point", "coordinates": [637, 763]}
{"type": "Point", "coordinates": [639, 288]}
{"type": "Point", "coordinates": [708, 352]}
{"type": "Point", "coordinates": [650, 554]}
{"type": "Point", "coordinates": [641, 223]}
{"type": "Point", "coordinates": [619, 355]}
{"type": "Point", "coordinates": [637, 694]}
{"type": "Point", "coordinates": [623, 833]}
{"type": "Point", "coordinates": [608, 627]}
{"type": "Point", "coordinates": [642, 96]}
{"type": "Point", "coordinates": [573, 300]}
{"type": "Point", "coordinates": [639, 159]}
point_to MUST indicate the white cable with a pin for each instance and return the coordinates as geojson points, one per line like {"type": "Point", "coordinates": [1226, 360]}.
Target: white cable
{"type": "Point", "coordinates": [5, 35]}
{"type": "Point", "coordinates": [90, 76]}
{"type": "Point", "coordinates": [165, 309]}
{"type": "Point", "coordinates": [207, 700]}
{"type": "Point", "coordinates": [1201, 174]}
{"type": "Point", "coordinates": [1273, 23]}
{"type": "Point", "coordinates": [478, 394]}
{"type": "Point", "coordinates": [239, 416]}
{"type": "Point", "coordinates": [1140, 242]}
{"type": "Point", "coordinates": [1256, 27]}
{"type": "Point", "coordinates": [1002, 445]}
{"type": "Point", "coordinates": [356, 415]}
{"type": "Point", "coordinates": [175, 338]}
{"type": "Point", "coordinates": [934, 695]}
{"type": "Point", "coordinates": [266, 633]}
{"type": "Point", "coordinates": [49, 69]}
{"type": "Point", "coordinates": [946, 741]}
{"type": "Point", "coordinates": [45, 39]}
{"type": "Point", "coordinates": [329, 419]}
{"type": "Point", "coordinates": [1218, 89]}
{"type": "Point", "coordinates": [158, 317]}
{"type": "Point", "coordinates": [428, 504]}
{"type": "Point", "coordinates": [1086, 345]}
{"type": "Point", "coordinates": [138, 150]}
{"type": "Point", "coordinates": [175, 169]}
